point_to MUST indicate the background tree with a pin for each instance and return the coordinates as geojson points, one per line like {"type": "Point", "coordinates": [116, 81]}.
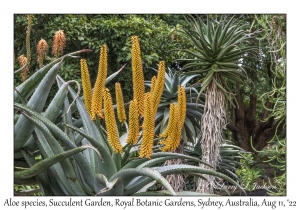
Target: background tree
{"type": "Point", "coordinates": [253, 118]}
{"type": "Point", "coordinates": [157, 36]}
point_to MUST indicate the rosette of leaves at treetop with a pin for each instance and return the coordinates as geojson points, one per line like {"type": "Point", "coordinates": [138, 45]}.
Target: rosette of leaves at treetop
{"type": "Point", "coordinates": [219, 47]}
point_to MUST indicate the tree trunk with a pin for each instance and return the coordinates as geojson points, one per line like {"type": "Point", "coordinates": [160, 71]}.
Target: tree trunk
{"type": "Point", "coordinates": [245, 125]}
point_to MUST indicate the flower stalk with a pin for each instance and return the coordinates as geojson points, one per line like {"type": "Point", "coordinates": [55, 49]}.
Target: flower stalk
{"type": "Point", "coordinates": [159, 85]}
{"type": "Point", "coordinates": [148, 126]}
{"type": "Point", "coordinates": [137, 75]}
{"type": "Point", "coordinates": [110, 122]}
{"type": "Point", "coordinates": [86, 85]}
{"type": "Point", "coordinates": [59, 43]}
{"type": "Point", "coordinates": [96, 108]}
{"type": "Point", "coordinates": [41, 50]}
{"type": "Point", "coordinates": [120, 103]}
{"type": "Point", "coordinates": [133, 135]}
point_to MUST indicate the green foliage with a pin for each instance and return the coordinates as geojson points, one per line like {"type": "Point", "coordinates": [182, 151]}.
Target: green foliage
{"type": "Point", "coordinates": [248, 172]}
{"type": "Point", "coordinates": [27, 190]}
{"type": "Point", "coordinates": [157, 35]}
{"type": "Point", "coordinates": [276, 158]}
{"type": "Point", "coordinates": [274, 36]}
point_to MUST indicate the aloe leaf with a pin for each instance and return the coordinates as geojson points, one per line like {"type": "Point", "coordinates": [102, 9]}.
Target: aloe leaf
{"type": "Point", "coordinates": [175, 169]}
{"type": "Point", "coordinates": [26, 88]}
{"type": "Point", "coordinates": [147, 186]}
{"type": "Point", "coordinates": [56, 104]}
{"type": "Point", "coordinates": [88, 175]}
{"type": "Point", "coordinates": [90, 128]}
{"type": "Point", "coordinates": [195, 41]}
{"type": "Point", "coordinates": [152, 162]}
{"type": "Point", "coordinates": [168, 81]}
{"type": "Point", "coordinates": [233, 175]}
{"type": "Point", "coordinates": [167, 94]}
{"type": "Point", "coordinates": [117, 159]}
{"type": "Point", "coordinates": [67, 119]}
{"type": "Point", "coordinates": [42, 178]}
{"type": "Point", "coordinates": [56, 169]}
{"type": "Point", "coordinates": [193, 113]}
{"type": "Point", "coordinates": [29, 145]}
{"type": "Point", "coordinates": [46, 163]}
{"type": "Point", "coordinates": [174, 85]}
{"type": "Point", "coordinates": [165, 119]}
{"type": "Point", "coordinates": [88, 125]}
{"type": "Point", "coordinates": [57, 191]}
{"type": "Point", "coordinates": [114, 187]}
{"type": "Point", "coordinates": [191, 193]}
{"type": "Point", "coordinates": [111, 77]}
{"type": "Point", "coordinates": [108, 163]}
{"type": "Point", "coordinates": [188, 79]}
{"type": "Point", "coordinates": [153, 193]}
{"type": "Point", "coordinates": [50, 146]}
{"type": "Point", "coordinates": [216, 39]}
{"type": "Point", "coordinates": [23, 128]}
{"type": "Point", "coordinates": [136, 162]}
{"type": "Point", "coordinates": [225, 30]}
{"type": "Point", "coordinates": [128, 174]}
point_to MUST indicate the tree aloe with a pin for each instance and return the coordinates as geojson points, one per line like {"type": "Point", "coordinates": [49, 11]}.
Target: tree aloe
{"type": "Point", "coordinates": [217, 55]}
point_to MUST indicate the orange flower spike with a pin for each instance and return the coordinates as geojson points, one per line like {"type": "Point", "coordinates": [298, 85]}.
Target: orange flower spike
{"type": "Point", "coordinates": [41, 50]}
{"type": "Point", "coordinates": [22, 62]}
{"type": "Point", "coordinates": [59, 43]}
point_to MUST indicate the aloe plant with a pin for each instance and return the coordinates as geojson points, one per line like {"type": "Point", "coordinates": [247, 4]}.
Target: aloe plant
{"type": "Point", "coordinates": [108, 175]}
{"type": "Point", "coordinates": [217, 54]}
{"type": "Point", "coordinates": [76, 157]}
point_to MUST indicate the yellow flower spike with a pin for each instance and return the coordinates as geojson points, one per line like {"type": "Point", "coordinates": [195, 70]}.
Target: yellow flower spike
{"type": "Point", "coordinates": [181, 105]}
{"type": "Point", "coordinates": [110, 122]}
{"type": "Point", "coordinates": [149, 124]}
{"type": "Point", "coordinates": [120, 103]}
{"type": "Point", "coordinates": [86, 85]}
{"type": "Point", "coordinates": [59, 43]}
{"type": "Point", "coordinates": [41, 50]}
{"type": "Point", "coordinates": [172, 134]}
{"type": "Point", "coordinates": [137, 74]}
{"type": "Point", "coordinates": [133, 135]}
{"type": "Point", "coordinates": [173, 138]}
{"type": "Point", "coordinates": [100, 84]}
{"type": "Point", "coordinates": [159, 85]}
{"type": "Point", "coordinates": [171, 123]}
{"type": "Point", "coordinates": [153, 80]}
